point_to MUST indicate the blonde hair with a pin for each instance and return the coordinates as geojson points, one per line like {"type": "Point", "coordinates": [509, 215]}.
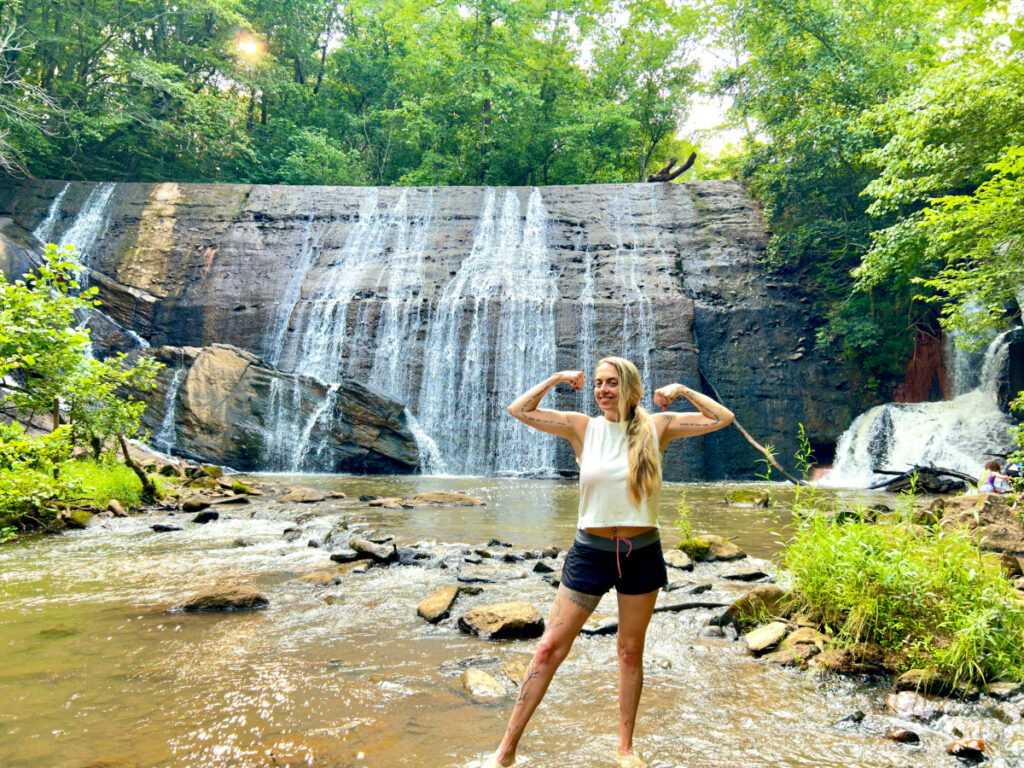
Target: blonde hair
{"type": "Point", "coordinates": [644, 455]}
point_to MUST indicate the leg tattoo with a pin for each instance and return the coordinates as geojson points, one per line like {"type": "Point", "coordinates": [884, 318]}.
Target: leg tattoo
{"type": "Point", "coordinates": [582, 599]}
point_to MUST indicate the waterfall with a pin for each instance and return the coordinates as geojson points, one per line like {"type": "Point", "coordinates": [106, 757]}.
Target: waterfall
{"type": "Point", "coordinates": [44, 231]}
{"type": "Point", "coordinates": [588, 356]}
{"type": "Point", "coordinates": [90, 224]}
{"type": "Point", "coordinates": [504, 292]}
{"type": "Point", "coordinates": [638, 314]}
{"type": "Point", "coordinates": [284, 406]}
{"type": "Point", "coordinates": [165, 437]}
{"type": "Point", "coordinates": [956, 434]}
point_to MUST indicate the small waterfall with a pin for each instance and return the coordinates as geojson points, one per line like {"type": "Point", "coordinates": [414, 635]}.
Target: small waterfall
{"type": "Point", "coordinates": [431, 461]}
{"type": "Point", "coordinates": [90, 224]}
{"type": "Point", "coordinates": [956, 434]}
{"type": "Point", "coordinates": [165, 438]}
{"type": "Point", "coordinates": [284, 405]}
{"type": "Point", "coordinates": [638, 314]}
{"type": "Point", "coordinates": [44, 231]}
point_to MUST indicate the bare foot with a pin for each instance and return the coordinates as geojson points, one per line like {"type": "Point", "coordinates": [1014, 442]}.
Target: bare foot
{"type": "Point", "coordinates": [494, 762]}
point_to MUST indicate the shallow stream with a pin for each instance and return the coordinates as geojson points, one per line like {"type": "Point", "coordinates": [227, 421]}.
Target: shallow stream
{"type": "Point", "coordinates": [94, 668]}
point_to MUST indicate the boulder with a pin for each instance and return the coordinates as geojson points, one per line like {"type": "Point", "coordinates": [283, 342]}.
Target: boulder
{"type": "Point", "coordinates": [345, 556]}
{"type": "Point", "coordinates": [719, 549]}
{"type": "Point", "coordinates": [758, 604]}
{"type": "Point", "coordinates": [482, 685]}
{"type": "Point", "coordinates": [76, 518]}
{"type": "Point", "coordinates": [970, 750]}
{"type": "Point", "coordinates": [988, 517]}
{"type": "Point", "coordinates": [300, 494]}
{"type": "Point", "coordinates": [229, 598]}
{"type": "Point", "coordinates": [926, 681]}
{"type": "Point", "coordinates": [1004, 691]}
{"type": "Point", "coordinates": [504, 620]}
{"type": "Point", "coordinates": [747, 498]}
{"type": "Point", "coordinates": [242, 489]}
{"type": "Point", "coordinates": [206, 517]}
{"type": "Point", "coordinates": [115, 508]}
{"type": "Point", "coordinates": [164, 528]}
{"type": "Point", "coordinates": [195, 504]}
{"type": "Point", "coordinates": [763, 638]}
{"type": "Point", "coordinates": [902, 736]}
{"type": "Point", "coordinates": [798, 656]}
{"type": "Point", "coordinates": [321, 578]}
{"type": "Point", "coordinates": [676, 559]}
{"type": "Point", "coordinates": [807, 636]}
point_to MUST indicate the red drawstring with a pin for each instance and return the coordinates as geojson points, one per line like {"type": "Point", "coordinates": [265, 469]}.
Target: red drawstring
{"type": "Point", "coordinates": [617, 539]}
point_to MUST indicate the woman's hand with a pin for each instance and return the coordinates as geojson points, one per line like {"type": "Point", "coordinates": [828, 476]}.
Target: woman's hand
{"type": "Point", "coordinates": [573, 378]}
{"type": "Point", "coordinates": [667, 394]}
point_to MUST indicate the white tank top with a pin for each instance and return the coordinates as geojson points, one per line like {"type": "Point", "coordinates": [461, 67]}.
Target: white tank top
{"type": "Point", "coordinates": [604, 466]}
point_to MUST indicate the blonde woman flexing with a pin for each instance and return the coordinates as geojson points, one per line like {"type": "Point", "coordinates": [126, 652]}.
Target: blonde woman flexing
{"type": "Point", "coordinates": [617, 542]}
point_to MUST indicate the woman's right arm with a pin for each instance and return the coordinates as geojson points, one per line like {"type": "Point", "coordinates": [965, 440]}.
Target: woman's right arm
{"type": "Point", "coordinates": [568, 424]}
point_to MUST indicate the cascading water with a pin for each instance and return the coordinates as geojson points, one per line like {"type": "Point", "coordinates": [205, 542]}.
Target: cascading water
{"type": "Point", "coordinates": [44, 231]}
{"type": "Point", "coordinates": [505, 293]}
{"type": "Point", "coordinates": [638, 315]}
{"type": "Point", "coordinates": [587, 347]}
{"type": "Point", "coordinates": [957, 434]}
{"type": "Point", "coordinates": [165, 437]}
{"type": "Point", "coordinates": [90, 224]}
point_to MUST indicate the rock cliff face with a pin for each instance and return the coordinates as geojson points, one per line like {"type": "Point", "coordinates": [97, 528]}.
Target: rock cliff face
{"type": "Point", "coordinates": [453, 300]}
{"type": "Point", "coordinates": [228, 405]}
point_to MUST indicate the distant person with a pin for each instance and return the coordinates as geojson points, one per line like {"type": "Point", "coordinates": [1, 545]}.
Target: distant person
{"type": "Point", "coordinates": [990, 477]}
{"type": "Point", "coordinates": [617, 542]}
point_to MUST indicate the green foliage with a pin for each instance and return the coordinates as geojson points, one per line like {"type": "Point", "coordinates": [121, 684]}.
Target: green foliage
{"type": "Point", "coordinates": [31, 487]}
{"type": "Point", "coordinates": [929, 595]}
{"type": "Point", "coordinates": [105, 480]}
{"type": "Point", "coordinates": [688, 543]}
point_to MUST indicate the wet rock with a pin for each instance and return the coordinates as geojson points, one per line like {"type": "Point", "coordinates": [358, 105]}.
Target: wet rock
{"type": "Point", "coordinates": [914, 706]}
{"type": "Point", "coordinates": [240, 542]}
{"type": "Point", "coordinates": [697, 589]}
{"type": "Point", "coordinates": [115, 508]}
{"type": "Point", "coordinates": [164, 528]}
{"type": "Point", "coordinates": [483, 574]}
{"type": "Point", "coordinates": [412, 556]}
{"type": "Point", "coordinates": [515, 671]}
{"type": "Point", "coordinates": [807, 636]}
{"type": "Point", "coordinates": [321, 578]}
{"type": "Point", "coordinates": [212, 471]}
{"type": "Point", "coordinates": [498, 543]}
{"type": "Point", "coordinates": [345, 556]}
{"type": "Point", "coordinates": [512, 557]}
{"type": "Point", "coordinates": [541, 567]}
{"type": "Point", "coordinates": [315, 544]}
{"type": "Point", "coordinates": [860, 659]}
{"type": "Point", "coordinates": [76, 518]}
{"type": "Point", "coordinates": [745, 576]}
{"type": "Point", "coordinates": [856, 717]}
{"type": "Point", "coordinates": [554, 579]}
{"type": "Point", "coordinates": [798, 656]}
{"type": "Point", "coordinates": [550, 552]}
{"type": "Point", "coordinates": [379, 553]}
{"type": "Point", "coordinates": [195, 504]}
{"type": "Point", "coordinates": [446, 499]}
{"type": "Point", "coordinates": [242, 489]}
{"type": "Point", "coordinates": [676, 559]}
{"type": "Point", "coordinates": [747, 498]}
{"type": "Point", "coordinates": [206, 517]}
{"type": "Point", "coordinates": [300, 494]}
{"type": "Point", "coordinates": [1004, 691]}
{"type": "Point", "coordinates": [987, 516]}
{"type": "Point", "coordinates": [903, 736]}
{"type": "Point", "coordinates": [761, 639]}
{"type": "Point", "coordinates": [504, 620]}
{"type": "Point", "coordinates": [292, 534]}
{"type": "Point", "coordinates": [388, 502]}
{"type": "Point", "coordinates": [923, 681]}
{"type": "Point", "coordinates": [438, 605]}
{"type": "Point", "coordinates": [481, 685]}
{"type": "Point", "coordinates": [760, 602]}
{"type": "Point", "coordinates": [232, 501]}
{"type": "Point", "coordinates": [600, 624]}
{"type": "Point", "coordinates": [687, 606]}
{"type": "Point", "coordinates": [472, 559]}
{"type": "Point", "coordinates": [720, 549]}
{"type": "Point", "coordinates": [228, 598]}
{"type": "Point", "coordinates": [383, 538]}
{"type": "Point", "coordinates": [971, 751]}
{"type": "Point", "coordinates": [367, 497]}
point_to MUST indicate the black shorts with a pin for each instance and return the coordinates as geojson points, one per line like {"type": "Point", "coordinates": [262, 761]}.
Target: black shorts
{"type": "Point", "coordinates": [594, 571]}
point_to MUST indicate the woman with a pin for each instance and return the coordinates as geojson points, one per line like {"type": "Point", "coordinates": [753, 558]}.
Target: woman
{"type": "Point", "coordinates": [617, 543]}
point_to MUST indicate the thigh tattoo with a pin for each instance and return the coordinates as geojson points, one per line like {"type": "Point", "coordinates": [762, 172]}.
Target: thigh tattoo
{"type": "Point", "coordinates": [582, 599]}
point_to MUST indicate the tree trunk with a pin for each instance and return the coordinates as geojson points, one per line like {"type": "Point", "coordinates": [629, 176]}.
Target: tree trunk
{"type": "Point", "coordinates": [149, 489]}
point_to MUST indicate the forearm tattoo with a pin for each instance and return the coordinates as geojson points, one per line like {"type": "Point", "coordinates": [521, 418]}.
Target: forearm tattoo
{"type": "Point", "coordinates": [527, 410]}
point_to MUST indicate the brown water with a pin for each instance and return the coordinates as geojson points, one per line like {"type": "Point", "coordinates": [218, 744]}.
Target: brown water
{"type": "Point", "coordinates": [94, 668]}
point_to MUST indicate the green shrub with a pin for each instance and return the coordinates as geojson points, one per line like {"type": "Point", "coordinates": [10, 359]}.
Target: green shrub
{"type": "Point", "coordinates": [689, 544]}
{"type": "Point", "coordinates": [31, 487]}
{"type": "Point", "coordinates": [931, 595]}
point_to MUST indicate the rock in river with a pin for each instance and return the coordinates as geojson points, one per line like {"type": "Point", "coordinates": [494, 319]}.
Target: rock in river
{"type": "Point", "coordinates": [720, 549]}
{"type": "Point", "coordinates": [436, 607]}
{"type": "Point", "coordinates": [763, 638]}
{"type": "Point", "coordinates": [231, 598]}
{"type": "Point", "coordinates": [379, 553]}
{"type": "Point", "coordinates": [677, 559]}
{"type": "Point", "coordinates": [504, 620]}
{"type": "Point", "coordinates": [481, 685]}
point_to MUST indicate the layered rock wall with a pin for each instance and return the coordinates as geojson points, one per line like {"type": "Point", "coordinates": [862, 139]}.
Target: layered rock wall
{"type": "Point", "coordinates": [666, 274]}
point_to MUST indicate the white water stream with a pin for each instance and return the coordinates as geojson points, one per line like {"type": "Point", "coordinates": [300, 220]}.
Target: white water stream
{"type": "Point", "coordinates": [960, 434]}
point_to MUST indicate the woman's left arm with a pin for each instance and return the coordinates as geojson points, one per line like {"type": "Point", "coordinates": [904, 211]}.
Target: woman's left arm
{"type": "Point", "coordinates": [672, 426]}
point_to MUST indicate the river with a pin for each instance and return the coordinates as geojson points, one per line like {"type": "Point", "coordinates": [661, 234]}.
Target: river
{"type": "Point", "coordinates": [95, 669]}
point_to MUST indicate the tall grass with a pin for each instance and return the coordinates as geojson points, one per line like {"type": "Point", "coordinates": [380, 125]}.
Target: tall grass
{"type": "Point", "coordinates": [106, 480]}
{"type": "Point", "coordinates": [931, 595]}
